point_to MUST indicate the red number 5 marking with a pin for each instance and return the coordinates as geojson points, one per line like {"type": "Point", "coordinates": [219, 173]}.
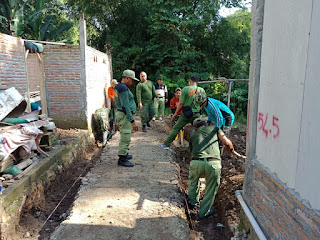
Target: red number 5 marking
{"type": "Point", "coordinates": [275, 124]}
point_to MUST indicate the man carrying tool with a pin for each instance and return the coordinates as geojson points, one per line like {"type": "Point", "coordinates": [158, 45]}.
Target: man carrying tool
{"type": "Point", "coordinates": [190, 110]}
{"type": "Point", "coordinates": [145, 95]}
{"type": "Point", "coordinates": [159, 103]}
{"type": "Point", "coordinates": [125, 108]}
{"type": "Point", "coordinates": [206, 162]}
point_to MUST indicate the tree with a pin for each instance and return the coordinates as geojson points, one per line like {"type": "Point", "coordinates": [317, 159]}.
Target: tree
{"type": "Point", "coordinates": [12, 16]}
{"type": "Point", "coordinates": [35, 19]}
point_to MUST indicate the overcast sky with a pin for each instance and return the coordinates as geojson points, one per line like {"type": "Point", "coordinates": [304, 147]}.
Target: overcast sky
{"type": "Point", "coordinates": [228, 11]}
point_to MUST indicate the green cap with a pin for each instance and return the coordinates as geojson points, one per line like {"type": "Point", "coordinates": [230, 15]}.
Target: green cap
{"type": "Point", "coordinates": [129, 73]}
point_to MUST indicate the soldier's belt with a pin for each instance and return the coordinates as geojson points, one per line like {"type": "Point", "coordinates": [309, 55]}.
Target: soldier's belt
{"type": "Point", "coordinates": [120, 110]}
{"type": "Point", "coordinates": [208, 159]}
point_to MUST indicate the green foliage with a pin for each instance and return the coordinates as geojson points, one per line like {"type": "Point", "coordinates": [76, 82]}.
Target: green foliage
{"type": "Point", "coordinates": [37, 19]}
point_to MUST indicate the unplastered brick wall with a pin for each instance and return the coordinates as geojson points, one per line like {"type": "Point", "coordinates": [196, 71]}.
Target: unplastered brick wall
{"type": "Point", "coordinates": [65, 90]}
{"type": "Point", "coordinates": [12, 63]}
{"type": "Point", "coordinates": [34, 72]}
{"type": "Point", "coordinates": [98, 75]}
{"type": "Point", "coordinates": [279, 210]}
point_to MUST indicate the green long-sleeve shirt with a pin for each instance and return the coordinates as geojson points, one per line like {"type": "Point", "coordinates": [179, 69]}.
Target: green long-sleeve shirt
{"type": "Point", "coordinates": [146, 92]}
{"type": "Point", "coordinates": [124, 100]}
{"type": "Point", "coordinates": [204, 143]}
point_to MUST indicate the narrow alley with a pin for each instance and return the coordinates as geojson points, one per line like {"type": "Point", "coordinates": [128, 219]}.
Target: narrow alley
{"type": "Point", "coordinates": [143, 202]}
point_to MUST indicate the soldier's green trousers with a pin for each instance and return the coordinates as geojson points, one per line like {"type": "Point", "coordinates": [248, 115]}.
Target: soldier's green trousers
{"type": "Point", "coordinates": [159, 107]}
{"type": "Point", "coordinates": [101, 117]}
{"type": "Point", "coordinates": [211, 171]}
{"type": "Point", "coordinates": [182, 121]}
{"type": "Point", "coordinates": [147, 113]}
{"type": "Point", "coordinates": [125, 133]}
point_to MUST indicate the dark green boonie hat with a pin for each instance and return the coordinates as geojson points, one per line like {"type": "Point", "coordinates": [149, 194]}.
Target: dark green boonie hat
{"type": "Point", "coordinates": [199, 122]}
{"type": "Point", "coordinates": [129, 73]}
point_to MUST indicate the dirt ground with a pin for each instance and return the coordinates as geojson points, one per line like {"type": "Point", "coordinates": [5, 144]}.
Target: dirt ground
{"type": "Point", "coordinates": [31, 222]}
{"type": "Point", "coordinates": [143, 202]}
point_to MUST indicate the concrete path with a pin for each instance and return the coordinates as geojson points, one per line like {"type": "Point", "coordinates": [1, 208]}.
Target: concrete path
{"type": "Point", "coordinates": [143, 202]}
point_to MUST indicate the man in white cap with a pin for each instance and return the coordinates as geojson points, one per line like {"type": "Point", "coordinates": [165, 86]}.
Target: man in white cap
{"type": "Point", "coordinates": [114, 82]}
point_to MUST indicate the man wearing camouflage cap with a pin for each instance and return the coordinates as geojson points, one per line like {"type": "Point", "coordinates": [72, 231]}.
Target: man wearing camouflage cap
{"type": "Point", "coordinates": [206, 162]}
{"type": "Point", "coordinates": [125, 108]}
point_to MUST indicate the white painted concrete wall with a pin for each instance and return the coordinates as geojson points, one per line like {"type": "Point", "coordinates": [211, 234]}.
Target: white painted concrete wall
{"type": "Point", "coordinates": [288, 130]}
{"type": "Point", "coordinates": [97, 76]}
{"type": "Point", "coordinates": [308, 177]}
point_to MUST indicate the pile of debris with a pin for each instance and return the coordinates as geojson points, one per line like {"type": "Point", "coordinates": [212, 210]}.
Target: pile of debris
{"type": "Point", "coordinates": [23, 136]}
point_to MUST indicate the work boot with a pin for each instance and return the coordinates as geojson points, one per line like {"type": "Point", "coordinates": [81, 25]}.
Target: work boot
{"type": "Point", "coordinates": [123, 161]}
{"type": "Point", "coordinates": [129, 156]}
{"type": "Point", "coordinates": [144, 129]}
{"type": "Point", "coordinates": [149, 125]}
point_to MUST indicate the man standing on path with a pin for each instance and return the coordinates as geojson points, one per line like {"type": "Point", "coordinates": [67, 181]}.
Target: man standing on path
{"type": "Point", "coordinates": [190, 109]}
{"type": "Point", "coordinates": [145, 95]}
{"type": "Point", "coordinates": [114, 82]}
{"type": "Point", "coordinates": [125, 108]}
{"type": "Point", "coordinates": [159, 103]}
{"type": "Point", "coordinates": [206, 162]}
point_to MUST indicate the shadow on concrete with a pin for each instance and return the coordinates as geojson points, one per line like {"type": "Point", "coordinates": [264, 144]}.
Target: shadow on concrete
{"type": "Point", "coordinates": [144, 228]}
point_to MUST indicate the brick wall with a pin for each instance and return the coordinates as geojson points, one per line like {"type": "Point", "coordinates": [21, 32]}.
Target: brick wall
{"type": "Point", "coordinates": [34, 72]}
{"type": "Point", "coordinates": [65, 91]}
{"type": "Point", "coordinates": [279, 210]}
{"type": "Point", "coordinates": [98, 74]}
{"type": "Point", "coordinates": [12, 63]}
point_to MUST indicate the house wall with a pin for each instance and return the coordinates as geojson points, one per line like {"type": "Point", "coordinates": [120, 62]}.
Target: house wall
{"type": "Point", "coordinates": [283, 132]}
{"type": "Point", "coordinates": [98, 77]}
{"type": "Point", "coordinates": [12, 63]}
{"type": "Point", "coordinates": [66, 97]}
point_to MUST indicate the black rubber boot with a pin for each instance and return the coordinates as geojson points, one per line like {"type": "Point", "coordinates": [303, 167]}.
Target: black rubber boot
{"type": "Point", "coordinates": [144, 129]}
{"type": "Point", "coordinates": [129, 156]}
{"type": "Point", "coordinates": [123, 161]}
{"type": "Point", "coordinates": [149, 125]}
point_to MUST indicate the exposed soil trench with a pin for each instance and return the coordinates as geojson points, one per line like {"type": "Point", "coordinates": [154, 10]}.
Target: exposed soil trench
{"type": "Point", "coordinates": [214, 227]}
{"type": "Point", "coordinates": [66, 184]}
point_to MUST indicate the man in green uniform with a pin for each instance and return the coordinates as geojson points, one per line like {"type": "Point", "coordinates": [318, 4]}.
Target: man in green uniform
{"type": "Point", "coordinates": [101, 128]}
{"type": "Point", "coordinates": [190, 110]}
{"type": "Point", "coordinates": [145, 95]}
{"type": "Point", "coordinates": [206, 162]}
{"type": "Point", "coordinates": [125, 107]}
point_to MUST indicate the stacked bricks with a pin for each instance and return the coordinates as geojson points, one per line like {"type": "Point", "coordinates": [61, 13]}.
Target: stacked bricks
{"type": "Point", "coordinates": [279, 211]}
{"type": "Point", "coordinates": [65, 90]}
{"type": "Point", "coordinates": [12, 63]}
{"type": "Point", "coordinates": [98, 77]}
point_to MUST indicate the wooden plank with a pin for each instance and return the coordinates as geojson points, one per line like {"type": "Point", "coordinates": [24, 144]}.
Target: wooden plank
{"type": "Point", "coordinates": [20, 175]}
{"type": "Point", "coordinates": [229, 94]}
{"type": "Point", "coordinates": [28, 91]}
{"type": "Point", "coordinates": [224, 80]}
{"type": "Point", "coordinates": [43, 87]}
